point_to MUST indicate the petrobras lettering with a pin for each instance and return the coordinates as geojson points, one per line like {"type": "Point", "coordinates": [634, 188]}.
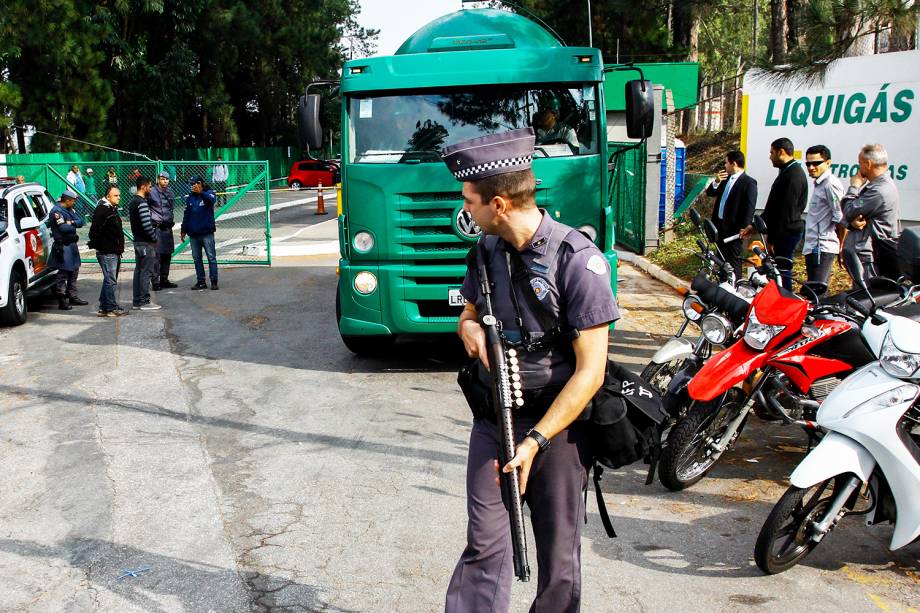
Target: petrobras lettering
{"type": "Point", "coordinates": [860, 100]}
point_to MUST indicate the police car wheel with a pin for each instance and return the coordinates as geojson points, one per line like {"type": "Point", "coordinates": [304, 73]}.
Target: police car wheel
{"type": "Point", "coordinates": [15, 311]}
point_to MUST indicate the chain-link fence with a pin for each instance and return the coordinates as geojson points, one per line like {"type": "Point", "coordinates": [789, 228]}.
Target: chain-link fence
{"type": "Point", "coordinates": [241, 211]}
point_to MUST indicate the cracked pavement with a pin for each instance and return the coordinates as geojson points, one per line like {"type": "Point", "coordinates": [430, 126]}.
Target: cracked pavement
{"type": "Point", "coordinates": [233, 446]}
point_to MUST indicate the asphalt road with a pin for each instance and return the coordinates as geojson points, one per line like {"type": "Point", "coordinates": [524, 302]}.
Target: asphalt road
{"type": "Point", "coordinates": [231, 453]}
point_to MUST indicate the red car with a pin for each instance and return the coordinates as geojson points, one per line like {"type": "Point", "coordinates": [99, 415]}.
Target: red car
{"type": "Point", "coordinates": [310, 173]}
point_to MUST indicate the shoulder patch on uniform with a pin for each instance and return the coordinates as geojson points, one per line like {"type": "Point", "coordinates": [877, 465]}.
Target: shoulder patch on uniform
{"type": "Point", "coordinates": [540, 287]}
{"type": "Point", "coordinates": [596, 264]}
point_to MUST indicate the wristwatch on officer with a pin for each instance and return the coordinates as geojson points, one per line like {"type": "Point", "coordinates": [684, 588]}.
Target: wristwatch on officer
{"type": "Point", "coordinates": [542, 441]}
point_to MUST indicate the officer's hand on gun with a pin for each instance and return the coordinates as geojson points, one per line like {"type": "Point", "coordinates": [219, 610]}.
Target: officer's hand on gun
{"type": "Point", "coordinates": [474, 340]}
{"type": "Point", "coordinates": [523, 459]}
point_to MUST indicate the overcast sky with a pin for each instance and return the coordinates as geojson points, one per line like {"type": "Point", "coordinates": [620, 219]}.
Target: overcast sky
{"type": "Point", "coordinates": [398, 19]}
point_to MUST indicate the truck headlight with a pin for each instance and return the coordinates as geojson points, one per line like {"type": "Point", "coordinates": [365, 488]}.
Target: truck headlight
{"type": "Point", "coordinates": [365, 282]}
{"type": "Point", "coordinates": [715, 328]}
{"type": "Point", "coordinates": [363, 242]}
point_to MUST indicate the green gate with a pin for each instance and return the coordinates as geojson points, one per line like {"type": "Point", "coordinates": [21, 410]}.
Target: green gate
{"type": "Point", "coordinates": [242, 209]}
{"type": "Point", "coordinates": [626, 193]}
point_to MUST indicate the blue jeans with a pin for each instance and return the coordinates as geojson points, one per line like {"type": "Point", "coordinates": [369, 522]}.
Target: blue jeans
{"type": "Point", "coordinates": [205, 241]}
{"type": "Point", "coordinates": [110, 264]}
{"type": "Point", "coordinates": [785, 247]}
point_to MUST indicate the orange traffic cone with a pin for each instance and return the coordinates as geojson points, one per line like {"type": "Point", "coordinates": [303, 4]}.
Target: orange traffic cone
{"type": "Point", "coordinates": [320, 205]}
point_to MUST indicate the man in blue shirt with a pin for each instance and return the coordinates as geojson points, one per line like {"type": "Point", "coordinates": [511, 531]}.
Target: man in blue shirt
{"type": "Point", "coordinates": [198, 224]}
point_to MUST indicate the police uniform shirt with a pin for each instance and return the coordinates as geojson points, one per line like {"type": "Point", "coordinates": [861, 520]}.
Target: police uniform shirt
{"type": "Point", "coordinates": [574, 283]}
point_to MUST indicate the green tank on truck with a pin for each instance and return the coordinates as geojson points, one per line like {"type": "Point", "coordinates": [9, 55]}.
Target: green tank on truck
{"type": "Point", "coordinates": [403, 233]}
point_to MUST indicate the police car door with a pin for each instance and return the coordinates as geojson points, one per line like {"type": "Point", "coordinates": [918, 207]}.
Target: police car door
{"type": "Point", "coordinates": [41, 203]}
{"type": "Point", "coordinates": [28, 239]}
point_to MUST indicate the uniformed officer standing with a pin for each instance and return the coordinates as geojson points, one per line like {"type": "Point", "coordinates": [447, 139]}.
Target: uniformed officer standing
{"type": "Point", "coordinates": [162, 201]}
{"type": "Point", "coordinates": [571, 279]}
{"type": "Point", "coordinates": [65, 256]}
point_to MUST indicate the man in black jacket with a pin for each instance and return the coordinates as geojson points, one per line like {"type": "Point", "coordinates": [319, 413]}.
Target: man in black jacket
{"type": "Point", "coordinates": [785, 205]}
{"type": "Point", "coordinates": [145, 246]}
{"type": "Point", "coordinates": [107, 238]}
{"type": "Point", "coordinates": [736, 196]}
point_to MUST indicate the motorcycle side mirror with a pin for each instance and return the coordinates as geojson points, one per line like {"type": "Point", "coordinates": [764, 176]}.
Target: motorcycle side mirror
{"type": "Point", "coordinates": [695, 217]}
{"type": "Point", "coordinates": [760, 225]}
{"type": "Point", "coordinates": [709, 229]}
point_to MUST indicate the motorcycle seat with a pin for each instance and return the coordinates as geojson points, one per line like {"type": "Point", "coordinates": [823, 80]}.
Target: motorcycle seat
{"type": "Point", "coordinates": [882, 297]}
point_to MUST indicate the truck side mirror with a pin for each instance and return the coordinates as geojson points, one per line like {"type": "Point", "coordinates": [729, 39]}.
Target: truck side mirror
{"type": "Point", "coordinates": [640, 109]}
{"type": "Point", "coordinates": [309, 125]}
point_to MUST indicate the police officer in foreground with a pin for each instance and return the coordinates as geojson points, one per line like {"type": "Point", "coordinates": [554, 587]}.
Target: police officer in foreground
{"type": "Point", "coordinates": [65, 256]}
{"type": "Point", "coordinates": [571, 279]}
{"type": "Point", "coordinates": [162, 201]}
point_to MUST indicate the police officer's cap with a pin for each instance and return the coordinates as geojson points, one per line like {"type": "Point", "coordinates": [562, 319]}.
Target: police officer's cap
{"type": "Point", "coordinates": [195, 179]}
{"type": "Point", "coordinates": [487, 156]}
{"type": "Point", "coordinates": [68, 193]}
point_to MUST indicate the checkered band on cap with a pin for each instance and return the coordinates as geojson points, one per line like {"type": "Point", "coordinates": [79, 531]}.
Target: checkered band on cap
{"type": "Point", "coordinates": [502, 166]}
{"type": "Point", "coordinates": [490, 155]}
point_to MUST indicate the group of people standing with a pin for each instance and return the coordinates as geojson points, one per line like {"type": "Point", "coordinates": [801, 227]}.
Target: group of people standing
{"type": "Point", "coordinates": [863, 219]}
{"type": "Point", "coordinates": [151, 217]}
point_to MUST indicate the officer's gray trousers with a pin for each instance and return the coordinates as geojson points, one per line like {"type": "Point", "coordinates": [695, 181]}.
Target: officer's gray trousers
{"type": "Point", "coordinates": [555, 496]}
{"type": "Point", "coordinates": [65, 283]}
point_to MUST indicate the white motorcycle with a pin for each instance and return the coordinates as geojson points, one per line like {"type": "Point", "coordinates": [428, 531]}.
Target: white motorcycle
{"type": "Point", "coordinates": [868, 463]}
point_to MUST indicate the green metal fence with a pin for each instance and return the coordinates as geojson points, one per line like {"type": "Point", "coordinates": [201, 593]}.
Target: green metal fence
{"type": "Point", "coordinates": [242, 209]}
{"type": "Point", "coordinates": [626, 189]}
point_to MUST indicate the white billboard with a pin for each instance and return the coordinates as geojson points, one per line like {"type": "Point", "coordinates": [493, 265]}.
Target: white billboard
{"type": "Point", "coordinates": [866, 99]}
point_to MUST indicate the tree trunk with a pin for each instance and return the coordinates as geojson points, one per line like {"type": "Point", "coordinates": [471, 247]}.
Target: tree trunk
{"type": "Point", "coordinates": [793, 17]}
{"type": "Point", "coordinates": [686, 28]}
{"type": "Point", "coordinates": [778, 31]}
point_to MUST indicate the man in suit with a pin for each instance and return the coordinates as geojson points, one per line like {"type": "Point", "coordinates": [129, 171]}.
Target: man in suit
{"type": "Point", "coordinates": [736, 195]}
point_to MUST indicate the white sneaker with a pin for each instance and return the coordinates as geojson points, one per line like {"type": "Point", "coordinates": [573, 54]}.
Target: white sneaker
{"type": "Point", "coordinates": [150, 307]}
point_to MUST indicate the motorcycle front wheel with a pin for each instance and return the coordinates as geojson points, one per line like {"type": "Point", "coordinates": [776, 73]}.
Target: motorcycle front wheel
{"type": "Point", "coordinates": [688, 452]}
{"type": "Point", "coordinates": [785, 537]}
{"type": "Point", "coordinates": [660, 375]}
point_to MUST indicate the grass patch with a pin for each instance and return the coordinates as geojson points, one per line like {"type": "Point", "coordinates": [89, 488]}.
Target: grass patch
{"type": "Point", "coordinates": [678, 257]}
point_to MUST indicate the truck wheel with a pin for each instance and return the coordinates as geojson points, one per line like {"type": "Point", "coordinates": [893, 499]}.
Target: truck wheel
{"type": "Point", "coordinates": [374, 345]}
{"type": "Point", "coordinates": [15, 311]}
{"type": "Point", "coordinates": [785, 537]}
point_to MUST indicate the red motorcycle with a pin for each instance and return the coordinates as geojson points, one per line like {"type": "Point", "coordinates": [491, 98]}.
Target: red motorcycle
{"type": "Point", "coordinates": [793, 353]}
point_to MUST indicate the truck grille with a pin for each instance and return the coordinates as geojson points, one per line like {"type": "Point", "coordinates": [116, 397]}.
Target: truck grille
{"type": "Point", "coordinates": [432, 254]}
{"type": "Point", "coordinates": [425, 228]}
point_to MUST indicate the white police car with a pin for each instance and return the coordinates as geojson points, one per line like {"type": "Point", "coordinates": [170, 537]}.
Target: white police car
{"type": "Point", "coordinates": [25, 244]}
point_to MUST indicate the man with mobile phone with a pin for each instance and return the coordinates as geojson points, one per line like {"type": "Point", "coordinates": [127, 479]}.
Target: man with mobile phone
{"type": "Point", "coordinates": [872, 205]}
{"type": "Point", "coordinates": [735, 193]}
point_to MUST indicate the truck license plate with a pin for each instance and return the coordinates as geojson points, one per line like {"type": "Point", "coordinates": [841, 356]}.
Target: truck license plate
{"type": "Point", "coordinates": [454, 298]}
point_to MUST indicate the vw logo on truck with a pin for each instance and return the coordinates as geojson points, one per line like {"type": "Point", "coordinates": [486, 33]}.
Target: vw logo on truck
{"type": "Point", "coordinates": [466, 226]}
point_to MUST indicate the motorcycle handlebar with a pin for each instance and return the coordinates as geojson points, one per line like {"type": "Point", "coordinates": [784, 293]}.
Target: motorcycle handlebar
{"type": "Point", "coordinates": [858, 307]}
{"type": "Point", "coordinates": [710, 293]}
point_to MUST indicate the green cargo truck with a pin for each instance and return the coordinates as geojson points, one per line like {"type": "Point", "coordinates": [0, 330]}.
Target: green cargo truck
{"type": "Point", "coordinates": [403, 233]}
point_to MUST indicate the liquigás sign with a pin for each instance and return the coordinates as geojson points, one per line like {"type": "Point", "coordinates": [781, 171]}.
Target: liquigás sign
{"type": "Point", "coordinates": [868, 99]}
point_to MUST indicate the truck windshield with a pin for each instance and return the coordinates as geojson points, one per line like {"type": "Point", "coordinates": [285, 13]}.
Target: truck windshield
{"type": "Point", "coordinates": [415, 127]}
